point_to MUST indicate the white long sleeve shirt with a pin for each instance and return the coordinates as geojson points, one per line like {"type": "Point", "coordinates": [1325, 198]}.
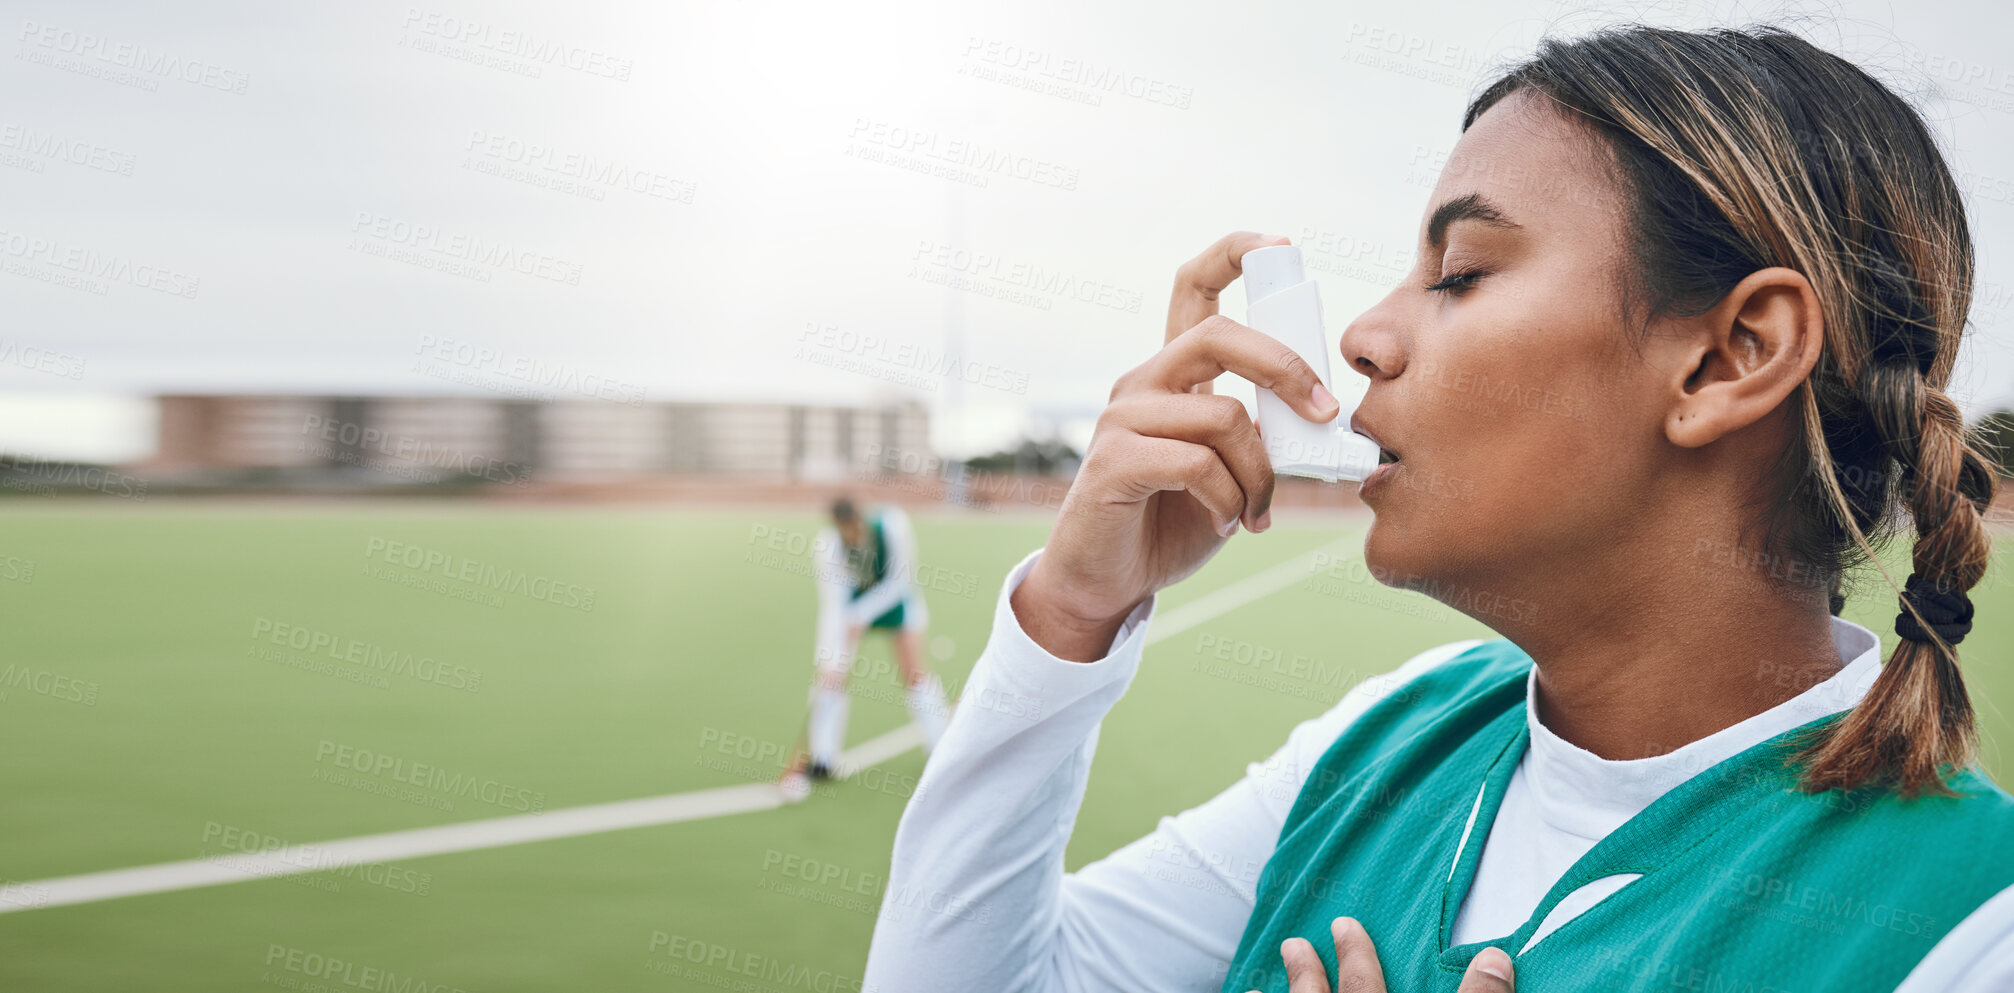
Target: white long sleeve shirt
{"type": "Point", "coordinates": [977, 897]}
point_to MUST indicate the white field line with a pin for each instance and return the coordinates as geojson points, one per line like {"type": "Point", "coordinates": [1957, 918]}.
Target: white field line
{"type": "Point", "coordinates": [232, 867]}
{"type": "Point", "coordinates": [877, 750]}
{"type": "Point", "coordinates": [570, 822]}
{"type": "Point", "coordinates": [1217, 603]}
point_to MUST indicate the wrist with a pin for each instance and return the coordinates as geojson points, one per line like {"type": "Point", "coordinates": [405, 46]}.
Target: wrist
{"type": "Point", "coordinates": [1050, 621]}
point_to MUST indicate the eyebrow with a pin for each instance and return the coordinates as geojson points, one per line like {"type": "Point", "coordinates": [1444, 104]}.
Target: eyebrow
{"type": "Point", "coordinates": [1467, 207]}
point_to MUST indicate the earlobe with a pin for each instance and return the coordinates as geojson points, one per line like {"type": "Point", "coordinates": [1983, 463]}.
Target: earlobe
{"type": "Point", "coordinates": [1746, 354]}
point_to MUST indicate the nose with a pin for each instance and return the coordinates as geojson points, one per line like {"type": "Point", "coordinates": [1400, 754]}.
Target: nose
{"type": "Point", "coordinates": [1372, 344]}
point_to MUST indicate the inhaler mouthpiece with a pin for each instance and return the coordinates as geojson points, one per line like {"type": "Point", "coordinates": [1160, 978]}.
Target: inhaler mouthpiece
{"type": "Point", "coordinates": [1282, 303]}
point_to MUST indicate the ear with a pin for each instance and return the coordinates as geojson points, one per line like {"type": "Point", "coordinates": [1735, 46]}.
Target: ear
{"type": "Point", "coordinates": [1744, 357]}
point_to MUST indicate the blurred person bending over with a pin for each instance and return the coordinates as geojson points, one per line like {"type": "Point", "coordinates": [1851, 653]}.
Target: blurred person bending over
{"type": "Point", "coordinates": [866, 565]}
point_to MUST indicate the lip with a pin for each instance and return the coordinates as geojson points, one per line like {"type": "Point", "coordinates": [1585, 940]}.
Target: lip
{"type": "Point", "coordinates": [1374, 483]}
{"type": "Point", "coordinates": [1358, 426]}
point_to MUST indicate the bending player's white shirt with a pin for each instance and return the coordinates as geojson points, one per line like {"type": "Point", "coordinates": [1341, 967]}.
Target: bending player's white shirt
{"type": "Point", "coordinates": [977, 897]}
{"type": "Point", "coordinates": [835, 592]}
{"type": "Point", "coordinates": [837, 607]}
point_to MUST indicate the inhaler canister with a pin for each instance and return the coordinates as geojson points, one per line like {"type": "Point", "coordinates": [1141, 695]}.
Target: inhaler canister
{"type": "Point", "coordinates": [1281, 302]}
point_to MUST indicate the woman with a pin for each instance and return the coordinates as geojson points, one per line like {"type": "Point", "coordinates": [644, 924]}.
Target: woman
{"type": "Point", "coordinates": [1677, 769]}
{"type": "Point", "coordinates": [866, 572]}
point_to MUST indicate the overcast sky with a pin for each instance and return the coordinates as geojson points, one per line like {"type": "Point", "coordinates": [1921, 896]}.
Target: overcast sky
{"type": "Point", "coordinates": [801, 202]}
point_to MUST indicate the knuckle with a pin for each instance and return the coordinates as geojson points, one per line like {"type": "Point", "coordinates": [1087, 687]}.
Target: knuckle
{"type": "Point", "coordinates": [1229, 416]}
{"type": "Point", "coordinates": [1115, 410]}
{"type": "Point", "coordinates": [1096, 469]}
{"type": "Point", "coordinates": [1262, 494]}
{"type": "Point", "coordinates": [1216, 326]}
{"type": "Point", "coordinates": [1125, 383]}
{"type": "Point", "coordinates": [1197, 463]}
{"type": "Point", "coordinates": [1293, 367]}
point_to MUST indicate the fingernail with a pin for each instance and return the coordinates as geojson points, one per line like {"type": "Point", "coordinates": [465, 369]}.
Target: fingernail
{"type": "Point", "coordinates": [1324, 400]}
{"type": "Point", "coordinates": [1272, 237]}
{"type": "Point", "coordinates": [1265, 520]}
{"type": "Point", "coordinates": [1230, 528]}
{"type": "Point", "coordinates": [1497, 965]}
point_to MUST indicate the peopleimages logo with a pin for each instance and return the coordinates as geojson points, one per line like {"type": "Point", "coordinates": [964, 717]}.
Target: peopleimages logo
{"type": "Point", "coordinates": [986, 161]}
{"type": "Point", "coordinates": [1076, 72]}
{"type": "Point", "coordinates": [127, 55]}
{"type": "Point", "coordinates": [558, 162]}
{"type": "Point", "coordinates": [466, 570]}
{"type": "Point", "coordinates": [353, 443]}
{"type": "Point", "coordinates": [44, 145]}
{"type": "Point", "coordinates": [541, 377]}
{"type": "Point", "coordinates": [531, 48]}
{"type": "Point", "coordinates": [93, 264]}
{"type": "Point", "coordinates": [427, 777]}
{"type": "Point", "coordinates": [328, 968]}
{"type": "Point", "coordinates": [366, 655]}
{"type": "Point", "coordinates": [383, 231]}
{"type": "Point", "coordinates": [261, 855]}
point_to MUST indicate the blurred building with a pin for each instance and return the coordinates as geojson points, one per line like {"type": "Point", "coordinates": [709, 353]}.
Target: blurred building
{"type": "Point", "coordinates": [442, 439]}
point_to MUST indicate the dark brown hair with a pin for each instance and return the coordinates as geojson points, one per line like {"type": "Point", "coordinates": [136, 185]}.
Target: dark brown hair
{"type": "Point", "coordinates": [1740, 150]}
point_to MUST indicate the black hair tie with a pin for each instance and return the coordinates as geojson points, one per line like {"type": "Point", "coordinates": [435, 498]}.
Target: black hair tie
{"type": "Point", "coordinates": [1948, 611]}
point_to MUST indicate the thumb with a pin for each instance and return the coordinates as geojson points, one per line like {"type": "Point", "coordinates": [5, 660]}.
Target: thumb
{"type": "Point", "coordinates": [1489, 972]}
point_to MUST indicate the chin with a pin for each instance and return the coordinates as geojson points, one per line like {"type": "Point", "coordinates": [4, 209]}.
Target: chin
{"type": "Point", "coordinates": [1386, 555]}
{"type": "Point", "coordinates": [1400, 554]}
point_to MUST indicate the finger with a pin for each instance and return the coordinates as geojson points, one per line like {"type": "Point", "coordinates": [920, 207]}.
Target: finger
{"type": "Point", "coordinates": [1489, 972]}
{"type": "Point", "coordinates": [1217, 421]}
{"type": "Point", "coordinates": [1202, 279]}
{"type": "Point", "coordinates": [1219, 345]}
{"type": "Point", "coordinates": [1152, 465]}
{"type": "Point", "coordinates": [1357, 968]}
{"type": "Point", "coordinates": [1305, 971]}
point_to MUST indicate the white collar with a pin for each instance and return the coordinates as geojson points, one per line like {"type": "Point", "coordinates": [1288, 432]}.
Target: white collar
{"type": "Point", "coordinates": [1584, 794]}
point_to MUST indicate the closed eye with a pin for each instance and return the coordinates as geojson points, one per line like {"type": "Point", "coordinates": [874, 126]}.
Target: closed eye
{"type": "Point", "coordinates": [1457, 281]}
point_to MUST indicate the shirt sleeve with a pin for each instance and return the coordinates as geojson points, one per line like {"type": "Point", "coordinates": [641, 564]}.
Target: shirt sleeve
{"type": "Point", "coordinates": [896, 579]}
{"type": "Point", "coordinates": [977, 897]}
{"type": "Point", "coordinates": [1977, 956]}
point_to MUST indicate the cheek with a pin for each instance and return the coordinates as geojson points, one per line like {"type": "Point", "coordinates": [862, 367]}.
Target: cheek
{"type": "Point", "coordinates": [1515, 448]}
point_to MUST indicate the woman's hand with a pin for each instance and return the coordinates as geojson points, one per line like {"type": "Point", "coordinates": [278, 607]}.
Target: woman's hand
{"type": "Point", "coordinates": [1171, 469]}
{"type": "Point", "coordinates": [1357, 969]}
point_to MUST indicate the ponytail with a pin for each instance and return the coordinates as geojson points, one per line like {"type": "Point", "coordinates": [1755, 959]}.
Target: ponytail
{"type": "Point", "coordinates": [1915, 726]}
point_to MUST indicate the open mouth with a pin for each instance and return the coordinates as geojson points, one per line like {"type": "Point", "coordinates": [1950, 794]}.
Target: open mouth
{"type": "Point", "coordinates": [1385, 455]}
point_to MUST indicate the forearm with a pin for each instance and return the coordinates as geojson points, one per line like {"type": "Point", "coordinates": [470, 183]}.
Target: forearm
{"type": "Point", "coordinates": [973, 895]}
{"type": "Point", "coordinates": [879, 599]}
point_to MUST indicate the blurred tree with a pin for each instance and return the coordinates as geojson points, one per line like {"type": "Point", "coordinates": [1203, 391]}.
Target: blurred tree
{"type": "Point", "coordinates": [1038, 458]}
{"type": "Point", "coordinates": [1996, 432]}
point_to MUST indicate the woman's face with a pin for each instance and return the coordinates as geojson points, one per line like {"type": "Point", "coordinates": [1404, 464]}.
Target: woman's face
{"type": "Point", "coordinates": [1526, 427]}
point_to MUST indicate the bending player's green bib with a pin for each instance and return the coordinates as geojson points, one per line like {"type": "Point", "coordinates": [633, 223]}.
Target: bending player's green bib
{"type": "Point", "coordinates": [1748, 885]}
{"type": "Point", "coordinates": [869, 561]}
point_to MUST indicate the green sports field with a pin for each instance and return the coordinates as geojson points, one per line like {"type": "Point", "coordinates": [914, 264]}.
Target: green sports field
{"type": "Point", "coordinates": [185, 681]}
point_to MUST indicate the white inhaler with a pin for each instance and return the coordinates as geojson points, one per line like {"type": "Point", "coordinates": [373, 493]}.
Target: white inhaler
{"type": "Point", "coordinates": [1282, 303]}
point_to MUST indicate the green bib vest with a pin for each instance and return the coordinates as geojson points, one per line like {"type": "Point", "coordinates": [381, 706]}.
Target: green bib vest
{"type": "Point", "coordinates": [1748, 886]}
{"type": "Point", "coordinates": [869, 566]}
{"type": "Point", "coordinates": [868, 562]}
